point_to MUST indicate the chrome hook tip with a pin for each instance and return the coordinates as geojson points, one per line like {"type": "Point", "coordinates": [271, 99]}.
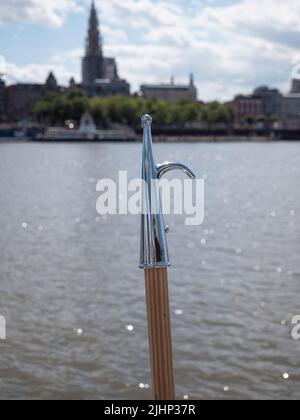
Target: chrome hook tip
{"type": "Point", "coordinates": [146, 120]}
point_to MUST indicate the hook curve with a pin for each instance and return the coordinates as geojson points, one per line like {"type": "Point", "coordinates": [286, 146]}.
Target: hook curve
{"type": "Point", "coordinates": [166, 167]}
{"type": "Point", "coordinates": [154, 247]}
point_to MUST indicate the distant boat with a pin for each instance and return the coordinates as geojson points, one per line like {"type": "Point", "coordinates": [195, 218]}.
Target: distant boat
{"type": "Point", "coordinates": [56, 134]}
{"type": "Point", "coordinates": [61, 134]}
{"type": "Point", "coordinates": [87, 132]}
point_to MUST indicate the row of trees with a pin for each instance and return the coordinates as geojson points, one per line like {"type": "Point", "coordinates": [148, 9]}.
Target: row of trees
{"type": "Point", "coordinates": [56, 108]}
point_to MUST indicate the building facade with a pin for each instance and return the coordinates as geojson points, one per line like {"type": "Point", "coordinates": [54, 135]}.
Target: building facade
{"type": "Point", "coordinates": [100, 74]}
{"type": "Point", "coordinates": [290, 107]}
{"type": "Point", "coordinates": [271, 101]}
{"type": "Point", "coordinates": [21, 98]}
{"type": "Point", "coordinates": [2, 99]}
{"type": "Point", "coordinates": [245, 107]}
{"type": "Point", "coordinates": [290, 110]}
{"type": "Point", "coordinates": [171, 92]}
{"type": "Point", "coordinates": [295, 86]}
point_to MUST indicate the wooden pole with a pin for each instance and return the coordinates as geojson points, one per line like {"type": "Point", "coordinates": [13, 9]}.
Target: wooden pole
{"type": "Point", "coordinates": [154, 259]}
{"type": "Point", "coordinates": [160, 339]}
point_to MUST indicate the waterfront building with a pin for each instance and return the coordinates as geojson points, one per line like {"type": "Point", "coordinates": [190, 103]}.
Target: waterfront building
{"type": "Point", "coordinates": [171, 92]}
{"type": "Point", "coordinates": [2, 99]}
{"type": "Point", "coordinates": [21, 98]}
{"type": "Point", "coordinates": [295, 86]}
{"type": "Point", "coordinates": [290, 110]}
{"type": "Point", "coordinates": [245, 107]}
{"type": "Point", "coordinates": [271, 100]}
{"type": "Point", "coordinates": [100, 74]}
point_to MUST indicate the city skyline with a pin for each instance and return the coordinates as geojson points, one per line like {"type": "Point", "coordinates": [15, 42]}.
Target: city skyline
{"type": "Point", "coordinates": [230, 46]}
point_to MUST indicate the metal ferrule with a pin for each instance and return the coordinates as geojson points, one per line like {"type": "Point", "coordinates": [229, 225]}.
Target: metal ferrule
{"type": "Point", "coordinates": [154, 248]}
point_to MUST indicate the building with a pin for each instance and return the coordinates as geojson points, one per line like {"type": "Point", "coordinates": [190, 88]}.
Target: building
{"type": "Point", "coordinates": [100, 74]}
{"type": "Point", "coordinates": [171, 92]}
{"type": "Point", "coordinates": [2, 99]}
{"type": "Point", "coordinates": [295, 86]}
{"type": "Point", "coordinates": [51, 82]}
{"type": "Point", "coordinates": [107, 87]}
{"type": "Point", "coordinates": [245, 107]}
{"type": "Point", "coordinates": [271, 100]}
{"type": "Point", "coordinates": [290, 110]}
{"type": "Point", "coordinates": [290, 106]}
{"type": "Point", "coordinates": [22, 98]}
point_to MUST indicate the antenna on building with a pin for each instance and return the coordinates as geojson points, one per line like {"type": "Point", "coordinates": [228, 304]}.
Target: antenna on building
{"type": "Point", "coordinates": [172, 81]}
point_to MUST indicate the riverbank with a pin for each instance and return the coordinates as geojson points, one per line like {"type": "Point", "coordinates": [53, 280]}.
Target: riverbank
{"type": "Point", "coordinates": [211, 139]}
{"type": "Point", "coordinates": [160, 139]}
{"type": "Point", "coordinates": [161, 133]}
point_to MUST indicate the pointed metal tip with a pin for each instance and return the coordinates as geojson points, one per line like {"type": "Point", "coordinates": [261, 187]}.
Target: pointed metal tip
{"type": "Point", "coordinates": [146, 120]}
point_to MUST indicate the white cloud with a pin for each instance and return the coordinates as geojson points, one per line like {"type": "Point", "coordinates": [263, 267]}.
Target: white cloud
{"type": "Point", "coordinates": [231, 46]}
{"type": "Point", "coordinates": [37, 73]}
{"type": "Point", "coordinates": [63, 64]}
{"type": "Point", "coordinates": [52, 12]}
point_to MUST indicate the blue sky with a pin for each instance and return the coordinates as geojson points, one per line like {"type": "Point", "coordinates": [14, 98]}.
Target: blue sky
{"type": "Point", "coordinates": [232, 46]}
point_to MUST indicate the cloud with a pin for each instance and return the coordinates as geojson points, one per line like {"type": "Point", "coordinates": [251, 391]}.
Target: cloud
{"type": "Point", "coordinates": [50, 12]}
{"type": "Point", "coordinates": [231, 45]}
{"type": "Point", "coordinates": [36, 73]}
{"type": "Point", "coordinates": [63, 64]}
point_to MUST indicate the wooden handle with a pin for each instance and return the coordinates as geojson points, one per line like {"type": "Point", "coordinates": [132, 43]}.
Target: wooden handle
{"type": "Point", "coordinates": [160, 340]}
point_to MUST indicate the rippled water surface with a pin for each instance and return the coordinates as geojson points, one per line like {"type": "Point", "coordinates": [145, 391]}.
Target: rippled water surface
{"type": "Point", "coordinates": [69, 282]}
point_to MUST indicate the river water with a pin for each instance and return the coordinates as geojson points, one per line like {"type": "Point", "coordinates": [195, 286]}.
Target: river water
{"type": "Point", "coordinates": [73, 297]}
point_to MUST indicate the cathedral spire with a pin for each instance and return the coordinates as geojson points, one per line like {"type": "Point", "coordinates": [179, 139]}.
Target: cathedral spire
{"type": "Point", "coordinates": [99, 73]}
{"type": "Point", "coordinates": [93, 45]}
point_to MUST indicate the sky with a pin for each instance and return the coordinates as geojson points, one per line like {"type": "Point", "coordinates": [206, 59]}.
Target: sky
{"type": "Point", "coordinates": [231, 46]}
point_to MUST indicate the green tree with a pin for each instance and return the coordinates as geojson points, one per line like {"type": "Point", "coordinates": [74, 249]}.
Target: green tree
{"type": "Point", "coordinates": [98, 110]}
{"type": "Point", "coordinates": [56, 108]}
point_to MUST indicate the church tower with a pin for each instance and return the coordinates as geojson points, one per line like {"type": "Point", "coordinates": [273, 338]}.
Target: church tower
{"type": "Point", "coordinates": [100, 74]}
{"type": "Point", "coordinates": [93, 66]}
